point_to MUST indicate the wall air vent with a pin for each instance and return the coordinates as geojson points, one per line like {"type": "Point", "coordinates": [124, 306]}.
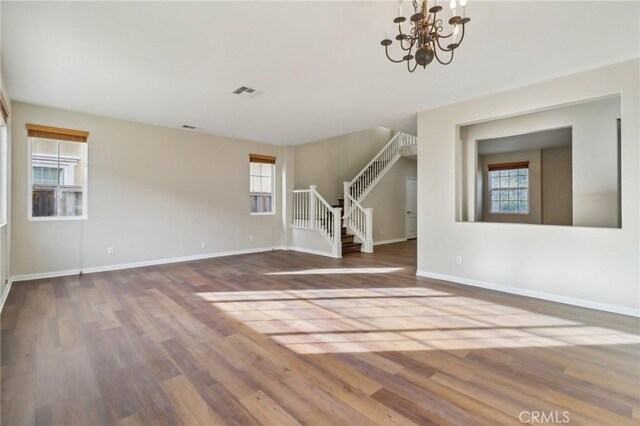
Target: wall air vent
{"type": "Point", "coordinates": [244, 89]}
{"type": "Point", "coordinates": [186, 126]}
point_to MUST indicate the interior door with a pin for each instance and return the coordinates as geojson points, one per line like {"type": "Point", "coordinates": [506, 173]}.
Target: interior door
{"type": "Point", "coordinates": [412, 208]}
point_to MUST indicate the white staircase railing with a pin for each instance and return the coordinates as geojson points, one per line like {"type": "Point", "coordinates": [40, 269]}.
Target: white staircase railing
{"type": "Point", "coordinates": [356, 217]}
{"type": "Point", "coordinates": [311, 211]}
{"type": "Point", "coordinates": [360, 221]}
{"type": "Point", "coordinates": [364, 181]}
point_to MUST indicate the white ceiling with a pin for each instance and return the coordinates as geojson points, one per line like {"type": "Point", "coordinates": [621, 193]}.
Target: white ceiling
{"type": "Point", "coordinates": [318, 65]}
{"type": "Point", "coordinates": [553, 138]}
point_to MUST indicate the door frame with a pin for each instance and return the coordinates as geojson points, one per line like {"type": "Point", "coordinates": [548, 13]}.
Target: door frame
{"type": "Point", "coordinates": [406, 222]}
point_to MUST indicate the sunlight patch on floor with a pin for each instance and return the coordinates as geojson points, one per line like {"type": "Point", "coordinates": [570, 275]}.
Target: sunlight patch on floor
{"type": "Point", "coordinates": [337, 293]}
{"type": "Point", "coordinates": [338, 271]}
{"type": "Point", "coordinates": [400, 319]}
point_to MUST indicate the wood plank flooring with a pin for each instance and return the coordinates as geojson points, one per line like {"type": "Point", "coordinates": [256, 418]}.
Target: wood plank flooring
{"type": "Point", "coordinates": [285, 338]}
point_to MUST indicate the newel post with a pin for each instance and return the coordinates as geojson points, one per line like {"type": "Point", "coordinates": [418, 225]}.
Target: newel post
{"type": "Point", "coordinates": [345, 196]}
{"type": "Point", "coordinates": [336, 249]}
{"type": "Point", "coordinates": [368, 240]}
{"type": "Point", "coordinates": [312, 206]}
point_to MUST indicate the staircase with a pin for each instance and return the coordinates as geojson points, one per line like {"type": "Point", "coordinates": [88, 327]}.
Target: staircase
{"type": "Point", "coordinates": [347, 240]}
{"type": "Point", "coordinates": [356, 223]}
{"type": "Point", "coordinates": [358, 219]}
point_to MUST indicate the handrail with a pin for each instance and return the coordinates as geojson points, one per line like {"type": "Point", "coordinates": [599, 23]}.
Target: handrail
{"type": "Point", "coordinates": [375, 157]}
{"type": "Point", "coordinates": [360, 220]}
{"type": "Point", "coordinates": [364, 181]}
{"type": "Point", "coordinates": [349, 197]}
{"type": "Point", "coordinates": [312, 211]}
{"type": "Point", "coordinates": [322, 200]}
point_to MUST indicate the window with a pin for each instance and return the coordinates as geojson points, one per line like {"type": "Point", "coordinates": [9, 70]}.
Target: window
{"type": "Point", "coordinates": [58, 163]}
{"type": "Point", "coordinates": [509, 187]}
{"type": "Point", "coordinates": [261, 184]}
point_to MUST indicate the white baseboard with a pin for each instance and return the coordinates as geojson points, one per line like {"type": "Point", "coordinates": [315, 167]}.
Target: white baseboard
{"type": "Point", "coordinates": [5, 294]}
{"type": "Point", "coordinates": [534, 294]}
{"type": "Point", "coordinates": [53, 274]}
{"type": "Point", "coordinates": [395, 240]}
{"type": "Point", "coordinates": [309, 251]}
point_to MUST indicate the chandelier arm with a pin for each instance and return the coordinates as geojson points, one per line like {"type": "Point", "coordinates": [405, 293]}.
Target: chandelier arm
{"type": "Point", "coordinates": [445, 36]}
{"type": "Point", "coordinates": [386, 52]}
{"type": "Point", "coordinates": [433, 18]}
{"type": "Point", "coordinates": [458, 43]}
{"type": "Point", "coordinates": [407, 49]}
{"type": "Point", "coordinates": [447, 49]}
{"type": "Point", "coordinates": [414, 66]}
{"type": "Point", "coordinates": [437, 30]}
{"type": "Point", "coordinates": [416, 28]}
{"type": "Point", "coordinates": [440, 47]}
{"type": "Point", "coordinates": [435, 51]}
{"type": "Point", "coordinates": [400, 31]}
{"type": "Point", "coordinates": [403, 34]}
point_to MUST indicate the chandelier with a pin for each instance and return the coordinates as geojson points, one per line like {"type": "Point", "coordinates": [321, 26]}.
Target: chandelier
{"type": "Point", "coordinates": [426, 37]}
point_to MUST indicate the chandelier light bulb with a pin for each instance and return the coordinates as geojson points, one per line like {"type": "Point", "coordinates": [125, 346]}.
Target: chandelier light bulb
{"type": "Point", "coordinates": [454, 36]}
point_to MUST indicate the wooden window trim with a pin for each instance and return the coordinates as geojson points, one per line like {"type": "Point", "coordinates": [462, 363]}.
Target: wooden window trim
{"type": "Point", "coordinates": [57, 133]}
{"type": "Point", "coordinates": [3, 110]}
{"type": "Point", "coordinates": [509, 166]}
{"type": "Point", "coordinates": [265, 159]}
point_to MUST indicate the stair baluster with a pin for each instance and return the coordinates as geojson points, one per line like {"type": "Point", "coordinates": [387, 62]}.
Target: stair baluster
{"type": "Point", "coordinates": [311, 211]}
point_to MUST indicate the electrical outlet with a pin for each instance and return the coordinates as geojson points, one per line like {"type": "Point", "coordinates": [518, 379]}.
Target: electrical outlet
{"type": "Point", "coordinates": [459, 260]}
{"type": "Point", "coordinates": [203, 244]}
{"type": "Point", "coordinates": [250, 237]}
{"type": "Point", "coordinates": [109, 250]}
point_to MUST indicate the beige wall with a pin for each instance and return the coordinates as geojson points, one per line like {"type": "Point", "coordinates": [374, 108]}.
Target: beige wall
{"type": "Point", "coordinates": [154, 193]}
{"type": "Point", "coordinates": [388, 200]}
{"type": "Point", "coordinates": [329, 162]}
{"type": "Point", "coordinates": [533, 157]}
{"type": "Point", "coordinates": [5, 194]}
{"type": "Point", "coordinates": [598, 267]}
{"type": "Point", "coordinates": [5, 186]}
{"type": "Point", "coordinates": [556, 186]}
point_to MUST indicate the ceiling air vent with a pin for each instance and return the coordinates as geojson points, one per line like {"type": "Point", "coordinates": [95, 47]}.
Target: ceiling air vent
{"type": "Point", "coordinates": [244, 89]}
{"type": "Point", "coordinates": [186, 126]}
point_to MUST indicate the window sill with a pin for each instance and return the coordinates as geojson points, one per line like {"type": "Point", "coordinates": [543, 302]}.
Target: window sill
{"type": "Point", "coordinates": [263, 214]}
{"type": "Point", "coordinates": [55, 218]}
{"type": "Point", "coordinates": [510, 213]}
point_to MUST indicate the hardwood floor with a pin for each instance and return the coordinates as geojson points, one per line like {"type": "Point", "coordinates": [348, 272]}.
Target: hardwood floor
{"type": "Point", "coordinates": [285, 338]}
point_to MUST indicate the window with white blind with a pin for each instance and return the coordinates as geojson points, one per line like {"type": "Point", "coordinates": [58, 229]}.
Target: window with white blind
{"type": "Point", "coordinates": [58, 173]}
{"type": "Point", "coordinates": [261, 184]}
